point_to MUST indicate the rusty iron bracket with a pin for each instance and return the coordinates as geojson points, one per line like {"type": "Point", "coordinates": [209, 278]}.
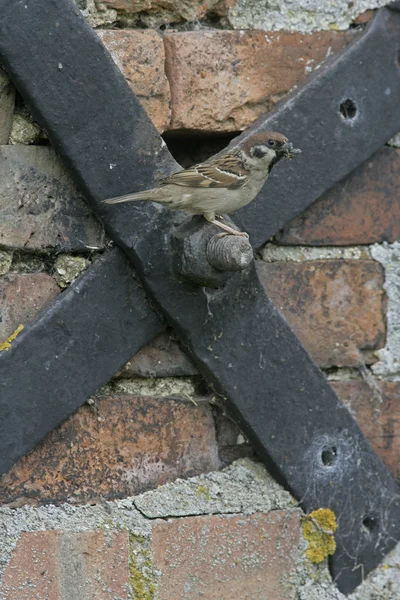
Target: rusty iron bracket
{"type": "Point", "coordinates": [240, 342]}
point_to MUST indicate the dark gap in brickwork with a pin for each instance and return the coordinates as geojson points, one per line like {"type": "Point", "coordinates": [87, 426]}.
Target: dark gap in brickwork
{"type": "Point", "coordinates": [44, 261]}
{"type": "Point", "coordinates": [189, 148]}
{"type": "Point", "coordinates": [150, 20]}
{"type": "Point", "coordinates": [32, 262]}
{"type": "Point", "coordinates": [19, 102]}
{"type": "Point", "coordinates": [209, 21]}
{"type": "Point", "coordinates": [232, 445]}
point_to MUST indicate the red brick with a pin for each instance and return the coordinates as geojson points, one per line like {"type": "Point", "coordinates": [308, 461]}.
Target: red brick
{"type": "Point", "coordinates": [33, 570]}
{"type": "Point", "coordinates": [56, 565]}
{"type": "Point", "coordinates": [335, 307]}
{"type": "Point", "coordinates": [378, 414]}
{"type": "Point", "coordinates": [364, 17]}
{"type": "Point", "coordinates": [163, 357]}
{"type": "Point", "coordinates": [364, 208]}
{"type": "Point", "coordinates": [124, 446]}
{"type": "Point", "coordinates": [22, 297]}
{"type": "Point", "coordinates": [231, 557]}
{"type": "Point", "coordinates": [224, 80]}
{"type": "Point", "coordinates": [140, 56]}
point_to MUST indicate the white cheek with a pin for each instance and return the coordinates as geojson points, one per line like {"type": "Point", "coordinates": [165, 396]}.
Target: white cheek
{"type": "Point", "coordinates": [270, 155]}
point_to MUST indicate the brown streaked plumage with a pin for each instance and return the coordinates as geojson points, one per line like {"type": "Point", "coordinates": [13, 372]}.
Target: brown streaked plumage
{"type": "Point", "coordinates": [223, 183]}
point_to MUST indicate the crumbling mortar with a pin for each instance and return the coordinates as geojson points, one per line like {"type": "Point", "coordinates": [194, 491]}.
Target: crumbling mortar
{"type": "Point", "coordinates": [39, 261]}
{"type": "Point", "coordinates": [304, 16]}
{"type": "Point", "coordinates": [182, 388]}
{"type": "Point", "coordinates": [272, 252]}
{"type": "Point", "coordinates": [292, 15]}
{"type": "Point", "coordinates": [342, 373]}
{"type": "Point", "coordinates": [388, 365]}
{"type": "Point", "coordinates": [236, 513]}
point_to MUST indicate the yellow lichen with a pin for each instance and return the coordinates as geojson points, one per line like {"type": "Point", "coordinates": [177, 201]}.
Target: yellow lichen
{"type": "Point", "coordinates": [318, 529]}
{"type": "Point", "coordinates": [7, 344]}
{"type": "Point", "coordinates": [201, 490]}
{"type": "Point", "coordinates": [141, 571]}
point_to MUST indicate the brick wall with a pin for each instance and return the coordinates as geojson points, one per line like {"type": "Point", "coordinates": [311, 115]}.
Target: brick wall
{"type": "Point", "coordinates": [82, 514]}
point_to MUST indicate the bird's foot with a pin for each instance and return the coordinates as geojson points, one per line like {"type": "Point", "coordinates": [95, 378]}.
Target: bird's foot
{"type": "Point", "coordinates": [228, 229]}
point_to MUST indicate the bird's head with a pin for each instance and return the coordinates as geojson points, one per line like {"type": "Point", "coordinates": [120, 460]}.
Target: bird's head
{"type": "Point", "coordinates": [267, 148]}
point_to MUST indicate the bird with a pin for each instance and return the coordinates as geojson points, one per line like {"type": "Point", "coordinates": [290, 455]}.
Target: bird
{"type": "Point", "coordinates": [223, 183]}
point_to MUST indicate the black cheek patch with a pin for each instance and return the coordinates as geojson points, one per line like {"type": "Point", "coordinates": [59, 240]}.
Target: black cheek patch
{"type": "Point", "coordinates": [259, 152]}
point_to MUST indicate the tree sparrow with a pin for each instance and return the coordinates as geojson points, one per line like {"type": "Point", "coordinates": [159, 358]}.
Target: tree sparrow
{"type": "Point", "coordinates": [223, 183]}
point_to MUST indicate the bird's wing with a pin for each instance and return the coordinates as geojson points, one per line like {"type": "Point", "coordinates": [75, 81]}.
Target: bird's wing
{"type": "Point", "coordinates": [220, 172]}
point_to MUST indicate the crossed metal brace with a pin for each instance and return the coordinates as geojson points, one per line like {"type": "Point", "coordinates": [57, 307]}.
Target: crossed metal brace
{"type": "Point", "coordinates": [239, 341]}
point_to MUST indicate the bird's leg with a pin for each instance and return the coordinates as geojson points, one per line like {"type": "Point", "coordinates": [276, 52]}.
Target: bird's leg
{"type": "Point", "coordinates": [229, 229]}
{"type": "Point", "coordinates": [211, 219]}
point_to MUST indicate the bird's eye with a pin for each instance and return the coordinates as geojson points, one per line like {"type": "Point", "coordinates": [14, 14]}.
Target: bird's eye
{"type": "Point", "coordinates": [271, 143]}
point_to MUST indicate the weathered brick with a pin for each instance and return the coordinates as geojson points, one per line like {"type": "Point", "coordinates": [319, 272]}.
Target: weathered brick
{"type": "Point", "coordinates": [22, 297]}
{"type": "Point", "coordinates": [33, 569]}
{"type": "Point", "coordinates": [232, 557]}
{"type": "Point", "coordinates": [335, 307]}
{"type": "Point", "coordinates": [364, 208]}
{"type": "Point", "coordinates": [57, 565]}
{"type": "Point", "coordinates": [377, 410]}
{"type": "Point", "coordinates": [121, 447]}
{"type": "Point", "coordinates": [163, 357]}
{"type": "Point", "coordinates": [141, 58]}
{"type": "Point", "coordinates": [224, 80]}
{"type": "Point", "coordinates": [364, 17]}
{"type": "Point", "coordinates": [7, 97]}
{"type": "Point", "coordinates": [40, 207]}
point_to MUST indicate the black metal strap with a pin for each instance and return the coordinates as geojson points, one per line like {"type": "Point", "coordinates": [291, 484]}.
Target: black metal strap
{"type": "Point", "coordinates": [56, 364]}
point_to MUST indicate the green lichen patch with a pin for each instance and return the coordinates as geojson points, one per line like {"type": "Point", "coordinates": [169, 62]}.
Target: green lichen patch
{"type": "Point", "coordinates": [26, 262]}
{"type": "Point", "coordinates": [24, 130]}
{"type": "Point", "coordinates": [202, 491]}
{"type": "Point", "coordinates": [142, 575]}
{"type": "Point", "coordinates": [67, 268]}
{"type": "Point", "coordinates": [5, 261]}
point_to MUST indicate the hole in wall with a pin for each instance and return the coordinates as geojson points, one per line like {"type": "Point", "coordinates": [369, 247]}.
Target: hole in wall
{"type": "Point", "coordinates": [329, 456]}
{"type": "Point", "coordinates": [190, 148]}
{"type": "Point", "coordinates": [370, 524]}
{"type": "Point", "coordinates": [348, 109]}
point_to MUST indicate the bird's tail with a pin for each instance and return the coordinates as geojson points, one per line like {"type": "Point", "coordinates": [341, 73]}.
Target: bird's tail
{"type": "Point", "coordinates": [146, 195]}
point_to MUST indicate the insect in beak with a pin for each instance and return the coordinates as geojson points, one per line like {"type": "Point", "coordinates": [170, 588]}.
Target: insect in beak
{"type": "Point", "coordinates": [289, 151]}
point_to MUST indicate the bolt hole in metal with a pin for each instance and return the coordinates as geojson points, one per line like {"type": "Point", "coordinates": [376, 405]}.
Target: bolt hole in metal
{"type": "Point", "coordinates": [348, 109]}
{"type": "Point", "coordinates": [370, 524]}
{"type": "Point", "coordinates": [329, 456]}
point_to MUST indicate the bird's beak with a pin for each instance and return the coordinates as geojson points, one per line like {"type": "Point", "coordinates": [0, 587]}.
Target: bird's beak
{"type": "Point", "coordinates": [289, 151]}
